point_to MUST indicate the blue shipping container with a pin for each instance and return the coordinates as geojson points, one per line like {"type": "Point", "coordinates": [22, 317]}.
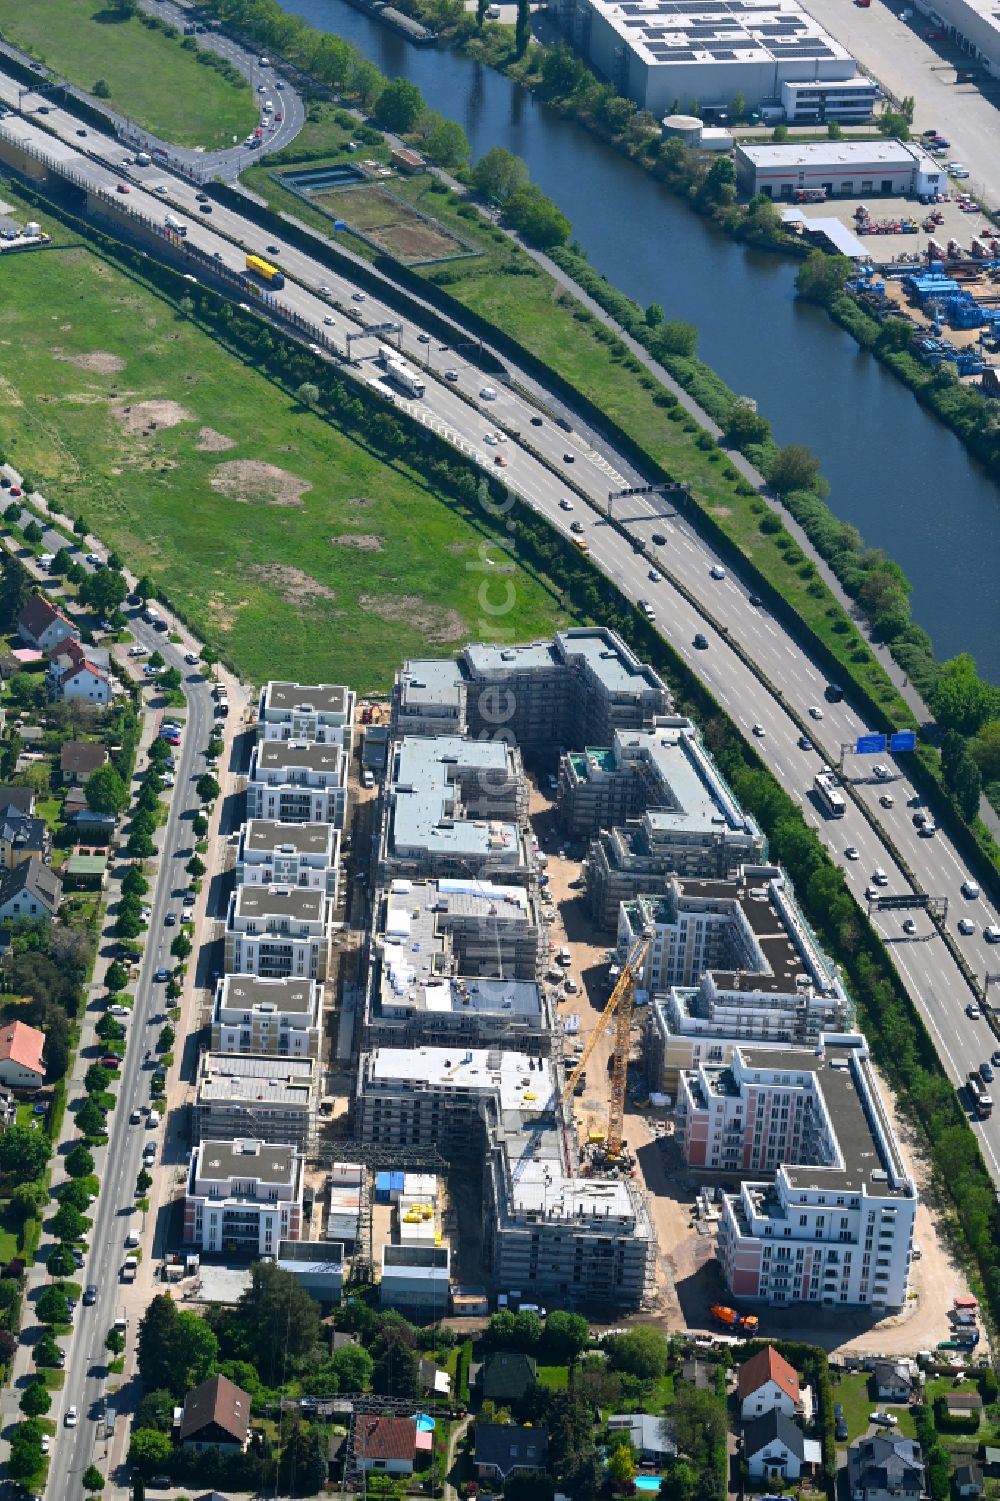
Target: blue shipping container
{"type": "Point", "coordinates": [383, 1186]}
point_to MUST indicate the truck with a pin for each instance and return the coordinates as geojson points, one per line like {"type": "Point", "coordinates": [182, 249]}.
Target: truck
{"type": "Point", "coordinates": [832, 801]}
{"type": "Point", "coordinates": [982, 1104]}
{"type": "Point", "coordinates": [129, 1268]}
{"type": "Point", "coordinates": [733, 1319]}
{"type": "Point", "coordinates": [265, 272]}
{"type": "Point", "coordinates": [176, 226]}
{"type": "Point", "coordinates": [400, 373]}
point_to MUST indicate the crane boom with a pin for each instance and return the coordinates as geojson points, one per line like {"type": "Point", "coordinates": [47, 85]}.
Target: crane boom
{"type": "Point", "coordinates": [618, 1009]}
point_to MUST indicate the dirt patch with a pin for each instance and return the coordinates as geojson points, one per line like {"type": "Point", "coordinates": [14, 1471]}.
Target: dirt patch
{"type": "Point", "coordinates": [431, 621]}
{"type": "Point", "coordinates": [295, 587]}
{"type": "Point", "coordinates": [361, 541]}
{"type": "Point", "coordinates": [361, 500]}
{"type": "Point", "coordinates": [100, 361]}
{"type": "Point", "coordinates": [142, 415]}
{"type": "Point", "coordinates": [209, 441]}
{"type": "Point", "coordinates": [254, 483]}
{"type": "Point", "coordinates": [720, 511]}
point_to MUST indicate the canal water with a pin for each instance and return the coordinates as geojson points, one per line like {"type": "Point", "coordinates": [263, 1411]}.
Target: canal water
{"type": "Point", "coordinates": [897, 474]}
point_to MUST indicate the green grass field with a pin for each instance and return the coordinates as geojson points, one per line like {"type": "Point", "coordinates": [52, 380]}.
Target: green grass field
{"type": "Point", "coordinates": [285, 543]}
{"type": "Point", "coordinates": [152, 78]}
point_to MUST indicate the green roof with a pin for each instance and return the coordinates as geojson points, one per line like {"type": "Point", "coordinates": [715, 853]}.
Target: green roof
{"type": "Point", "coordinates": [85, 865]}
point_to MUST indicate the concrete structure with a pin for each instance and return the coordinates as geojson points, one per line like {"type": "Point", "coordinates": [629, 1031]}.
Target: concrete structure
{"type": "Point", "coordinates": [416, 1277]}
{"type": "Point", "coordinates": [775, 1448]}
{"type": "Point", "coordinates": [243, 1197]}
{"type": "Point", "coordinates": [216, 1416]}
{"type": "Point", "coordinates": [297, 781]}
{"type": "Point", "coordinates": [576, 688]}
{"type": "Point", "coordinates": [31, 891]}
{"type": "Point", "coordinates": [832, 1223]}
{"type": "Point", "coordinates": [457, 961]}
{"type": "Point", "coordinates": [21, 1048]}
{"type": "Point", "coordinates": [817, 101]}
{"type": "Point", "coordinates": [847, 169]}
{"type": "Point", "coordinates": [251, 1095]}
{"type": "Point", "coordinates": [454, 807]}
{"type": "Point", "coordinates": [43, 626]}
{"type": "Point", "coordinates": [690, 823]}
{"type": "Point", "coordinates": [320, 712]}
{"type": "Point", "coordinates": [885, 1467]}
{"type": "Point", "coordinates": [577, 1240]}
{"type": "Point", "coordinates": [278, 931]}
{"type": "Point", "coordinates": [288, 854]}
{"type": "Point", "coordinates": [659, 52]}
{"type": "Point", "coordinates": [767, 1383]}
{"type": "Point", "coordinates": [79, 673]}
{"type": "Point", "coordinates": [278, 1017]}
{"type": "Point", "coordinates": [317, 1264]}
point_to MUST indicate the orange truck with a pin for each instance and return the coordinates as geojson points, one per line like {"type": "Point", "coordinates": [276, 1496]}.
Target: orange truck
{"type": "Point", "coordinates": [729, 1316]}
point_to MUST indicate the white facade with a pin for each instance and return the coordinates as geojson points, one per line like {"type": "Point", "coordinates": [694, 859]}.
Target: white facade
{"type": "Point", "coordinates": [288, 854]}
{"type": "Point", "coordinates": [298, 781]}
{"type": "Point", "coordinates": [842, 168]}
{"type": "Point", "coordinates": [849, 101]}
{"type": "Point", "coordinates": [278, 931]}
{"type": "Point", "coordinates": [973, 24]}
{"type": "Point", "coordinates": [243, 1196]}
{"type": "Point", "coordinates": [322, 712]}
{"type": "Point", "coordinates": [666, 56]}
{"type": "Point", "coordinates": [278, 1017]}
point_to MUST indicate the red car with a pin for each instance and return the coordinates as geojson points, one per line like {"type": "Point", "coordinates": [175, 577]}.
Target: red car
{"type": "Point", "coordinates": [15, 490]}
{"type": "Point", "coordinates": [123, 187]}
{"type": "Point", "coordinates": [501, 461]}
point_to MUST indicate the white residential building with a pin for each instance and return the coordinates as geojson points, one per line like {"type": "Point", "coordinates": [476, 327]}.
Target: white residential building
{"type": "Point", "coordinates": [826, 1206]}
{"type": "Point", "coordinates": [282, 1017]}
{"type": "Point", "coordinates": [243, 1197]}
{"type": "Point", "coordinates": [243, 1094]}
{"type": "Point", "coordinates": [298, 781]}
{"type": "Point", "coordinates": [278, 931]}
{"type": "Point", "coordinates": [321, 712]}
{"type": "Point", "coordinates": [270, 853]}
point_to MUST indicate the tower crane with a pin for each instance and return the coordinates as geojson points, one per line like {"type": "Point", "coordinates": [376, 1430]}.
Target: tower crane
{"type": "Point", "coordinates": [619, 1009]}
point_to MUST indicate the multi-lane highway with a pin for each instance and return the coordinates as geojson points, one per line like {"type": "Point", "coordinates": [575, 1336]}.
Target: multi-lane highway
{"type": "Point", "coordinates": [464, 406]}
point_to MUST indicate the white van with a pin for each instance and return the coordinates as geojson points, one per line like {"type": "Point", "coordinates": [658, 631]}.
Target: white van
{"type": "Point", "coordinates": [267, 107]}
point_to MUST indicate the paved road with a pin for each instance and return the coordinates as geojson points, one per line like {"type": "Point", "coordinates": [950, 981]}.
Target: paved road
{"type": "Point", "coordinates": [459, 410]}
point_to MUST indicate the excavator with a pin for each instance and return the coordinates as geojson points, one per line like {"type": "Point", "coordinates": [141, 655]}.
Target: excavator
{"type": "Point", "coordinates": [608, 1151]}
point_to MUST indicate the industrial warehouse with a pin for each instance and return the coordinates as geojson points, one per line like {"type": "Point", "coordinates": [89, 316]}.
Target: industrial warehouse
{"type": "Point", "coordinates": [847, 169]}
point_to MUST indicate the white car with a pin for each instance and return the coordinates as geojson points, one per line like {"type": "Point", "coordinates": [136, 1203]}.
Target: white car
{"type": "Point", "coordinates": [138, 651]}
{"type": "Point", "coordinates": [491, 440]}
{"type": "Point", "coordinates": [488, 394]}
{"type": "Point", "coordinates": [851, 852]}
{"type": "Point", "coordinates": [883, 1419]}
{"type": "Point", "coordinates": [972, 1011]}
{"type": "Point", "coordinates": [565, 505]}
{"type": "Point", "coordinates": [717, 571]}
{"type": "Point", "coordinates": [326, 291]}
{"type": "Point", "coordinates": [758, 730]}
{"type": "Point", "coordinates": [966, 927]}
{"type": "Point", "coordinates": [328, 321]}
{"type": "Point", "coordinates": [879, 876]}
{"type": "Point", "coordinates": [957, 170]}
{"type": "Point", "coordinates": [357, 296]}
{"type": "Point", "coordinates": [191, 658]}
{"type": "Point", "coordinates": [655, 575]}
{"type": "Point", "coordinates": [881, 772]}
{"type": "Point", "coordinates": [970, 890]}
{"type": "Point", "coordinates": [909, 926]}
{"type": "Point", "coordinates": [815, 712]}
{"type": "Point", "coordinates": [71, 1417]}
{"type": "Point", "coordinates": [117, 1010]}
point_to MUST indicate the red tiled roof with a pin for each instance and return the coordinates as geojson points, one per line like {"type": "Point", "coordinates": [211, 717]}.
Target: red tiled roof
{"type": "Point", "coordinates": [385, 1438]}
{"type": "Point", "coordinates": [768, 1365]}
{"type": "Point", "coordinates": [22, 1044]}
{"type": "Point", "coordinates": [38, 613]}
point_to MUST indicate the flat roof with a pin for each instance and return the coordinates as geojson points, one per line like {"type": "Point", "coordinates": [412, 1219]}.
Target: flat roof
{"type": "Point", "coordinates": [524, 1085]}
{"type": "Point", "coordinates": [322, 698]}
{"type": "Point", "coordinates": [424, 793]}
{"type": "Point", "coordinates": [610, 661]}
{"type": "Point", "coordinates": [431, 680]}
{"type": "Point", "coordinates": [305, 903]}
{"type": "Point", "coordinates": [694, 795]}
{"type": "Point", "coordinates": [848, 154]}
{"type": "Point", "coordinates": [487, 659]}
{"type": "Point", "coordinates": [830, 228]}
{"type": "Point", "coordinates": [670, 32]}
{"type": "Point", "coordinates": [291, 997]}
{"type": "Point", "coordinates": [220, 1161]}
{"type": "Point", "coordinates": [249, 1079]}
{"type": "Point", "coordinates": [263, 835]}
{"type": "Point", "coordinates": [310, 755]}
{"type": "Point", "coordinates": [318, 1257]}
{"type": "Point", "coordinates": [541, 1188]}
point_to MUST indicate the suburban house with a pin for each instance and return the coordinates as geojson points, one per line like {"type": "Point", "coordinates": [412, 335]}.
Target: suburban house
{"type": "Point", "coordinates": [385, 1443]}
{"type": "Point", "coordinates": [21, 1065]}
{"type": "Point", "coordinates": [505, 1376]}
{"type": "Point", "coordinates": [767, 1383]}
{"type": "Point", "coordinates": [963, 1405]}
{"type": "Point", "coordinates": [80, 673]}
{"type": "Point", "coordinates": [648, 1434]}
{"type": "Point", "coordinates": [41, 625]}
{"type": "Point", "coordinates": [20, 838]}
{"type": "Point", "coordinates": [884, 1468]}
{"type": "Point", "coordinates": [504, 1448]}
{"type": "Point", "coordinates": [893, 1380]}
{"type": "Point", "coordinates": [31, 890]}
{"type": "Point", "coordinates": [968, 1480]}
{"type": "Point", "coordinates": [16, 800]}
{"type": "Point", "coordinates": [775, 1448]}
{"type": "Point", "coordinates": [216, 1415]}
{"type": "Point", "coordinates": [78, 758]}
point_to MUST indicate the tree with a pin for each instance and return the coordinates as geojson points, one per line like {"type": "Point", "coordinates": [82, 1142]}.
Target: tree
{"type": "Point", "coordinates": [156, 1341]}
{"type": "Point", "coordinates": [397, 1373]}
{"type": "Point", "coordinates": [794, 467]}
{"type": "Point", "coordinates": [35, 1400]}
{"type": "Point", "coordinates": [719, 184]}
{"type": "Point", "coordinates": [106, 792]}
{"type": "Point", "coordinates": [536, 217]}
{"type": "Point", "coordinates": [79, 1162]}
{"type": "Point", "coordinates": [114, 1341]}
{"type": "Point", "coordinates": [143, 1181]}
{"type": "Point", "coordinates": [641, 1352]}
{"type": "Point", "coordinates": [745, 425]}
{"type": "Point", "coordinates": [195, 867]}
{"type": "Point", "coordinates": [145, 588]}
{"type": "Point", "coordinates": [498, 174]}
{"type": "Point", "coordinates": [33, 533]}
{"type": "Point", "coordinates": [308, 395]}
{"type": "Point", "coordinates": [961, 700]}
{"type": "Point", "coordinates": [566, 1335]}
{"type": "Point", "coordinates": [52, 1307]}
{"type": "Point", "coordinates": [140, 844]}
{"type": "Point", "coordinates": [967, 788]}
{"type": "Point", "coordinates": [278, 1318]}
{"type": "Point", "coordinates": [654, 315]}
{"type": "Point", "coordinates": [12, 514]}
{"type": "Point", "coordinates": [149, 1449]}
{"type": "Point", "coordinates": [90, 1119]}
{"type": "Point", "coordinates": [77, 1193]}
{"type": "Point", "coordinates": [25, 1450]}
{"type": "Point", "coordinates": [678, 1483]}
{"type": "Point", "coordinates": [46, 1352]}
{"type": "Point", "coordinates": [447, 143]}
{"type": "Point", "coordinates": [985, 751]}
{"type": "Point", "coordinates": [170, 680]}
{"type": "Point", "coordinates": [116, 975]}
{"type": "Point", "coordinates": [835, 131]}
{"type": "Point", "coordinates": [96, 1079]}
{"type": "Point", "coordinates": [28, 1199]}
{"type": "Point", "coordinates": [739, 106]}
{"type": "Point", "coordinates": [399, 106]}
{"type": "Point", "coordinates": [199, 825]}
{"type": "Point", "coordinates": [103, 591]}
{"type": "Point", "coordinates": [621, 1466]}
{"type": "Point", "coordinates": [68, 1223]}
{"type": "Point", "coordinates": [156, 1410]}
{"type": "Point", "coordinates": [562, 72]}
{"type": "Point", "coordinates": [675, 337]}
{"type": "Point", "coordinates": [353, 1367]}
{"type": "Point", "coordinates": [181, 946]}
{"type": "Point", "coordinates": [207, 787]}
{"type": "Point", "coordinates": [779, 134]}
{"type": "Point", "coordinates": [699, 1423]}
{"type": "Point", "coordinates": [891, 123]}
{"type": "Point", "coordinates": [59, 1262]}
{"type": "Point", "coordinates": [24, 1153]}
{"type": "Point", "coordinates": [522, 27]}
{"type": "Point", "coordinates": [93, 1480]}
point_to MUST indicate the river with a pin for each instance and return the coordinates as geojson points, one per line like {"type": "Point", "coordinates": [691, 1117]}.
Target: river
{"type": "Point", "coordinates": [903, 479]}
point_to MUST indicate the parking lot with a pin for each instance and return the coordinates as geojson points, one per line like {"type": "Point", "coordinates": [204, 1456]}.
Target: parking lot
{"type": "Point", "coordinates": [956, 223]}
